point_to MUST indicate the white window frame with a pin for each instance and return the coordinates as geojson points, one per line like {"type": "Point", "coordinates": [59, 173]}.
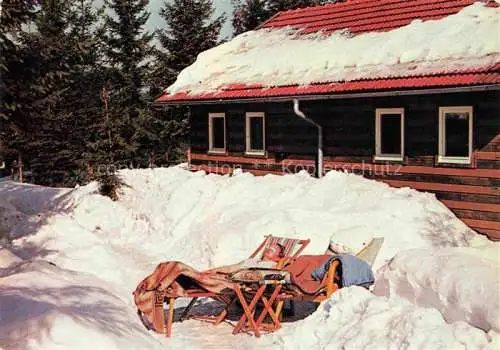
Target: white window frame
{"type": "Point", "coordinates": [211, 148]}
{"type": "Point", "coordinates": [442, 158]}
{"type": "Point", "coordinates": [248, 143]}
{"type": "Point", "coordinates": [378, 135]}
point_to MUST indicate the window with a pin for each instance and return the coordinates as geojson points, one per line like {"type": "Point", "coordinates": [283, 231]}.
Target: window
{"type": "Point", "coordinates": [255, 133]}
{"type": "Point", "coordinates": [389, 134]}
{"type": "Point", "coordinates": [217, 132]}
{"type": "Point", "coordinates": [455, 134]}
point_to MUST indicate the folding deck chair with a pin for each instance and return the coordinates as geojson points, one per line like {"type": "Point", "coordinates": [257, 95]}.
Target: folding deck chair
{"type": "Point", "coordinates": [169, 281]}
{"type": "Point", "coordinates": [271, 293]}
{"type": "Point", "coordinates": [155, 300]}
{"type": "Point", "coordinates": [292, 248]}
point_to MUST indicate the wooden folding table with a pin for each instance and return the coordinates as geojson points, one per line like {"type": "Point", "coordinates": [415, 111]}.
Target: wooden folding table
{"type": "Point", "coordinates": [266, 296]}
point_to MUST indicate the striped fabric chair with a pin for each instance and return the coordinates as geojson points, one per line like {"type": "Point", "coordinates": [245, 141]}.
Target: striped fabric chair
{"type": "Point", "coordinates": [293, 283]}
{"type": "Point", "coordinates": [292, 248]}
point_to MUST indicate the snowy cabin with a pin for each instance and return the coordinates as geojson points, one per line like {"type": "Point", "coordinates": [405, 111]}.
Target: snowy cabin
{"type": "Point", "coordinates": [402, 91]}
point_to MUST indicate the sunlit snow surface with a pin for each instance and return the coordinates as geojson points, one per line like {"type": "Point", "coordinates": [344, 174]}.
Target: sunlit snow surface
{"type": "Point", "coordinates": [74, 258]}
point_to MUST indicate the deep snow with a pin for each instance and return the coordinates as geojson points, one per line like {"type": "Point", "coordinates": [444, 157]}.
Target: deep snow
{"type": "Point", "coordinates": [73, 258]}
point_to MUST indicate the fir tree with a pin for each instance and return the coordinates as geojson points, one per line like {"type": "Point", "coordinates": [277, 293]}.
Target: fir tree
{"type": "Point", "coordinates": [276, 6]}
{"type": "Point", "coordinates": [47, 61]}
{"type": "Point", "coordinates": [84, 95]}
{"type": "Point", "coordinates": [56, 58]}
{"type": "Point", "coordinates": [128, 49]}
{"type": "Point", "coordinates": [190, 29]}
{"type": "Point", "coordinates": [128, 46]}
{"type": "Point", "coordinates": [53, 56]}
{"type": "Point", "coordinates": [14, 14]}
{"type": "Point", "coordinates": [248, 15]}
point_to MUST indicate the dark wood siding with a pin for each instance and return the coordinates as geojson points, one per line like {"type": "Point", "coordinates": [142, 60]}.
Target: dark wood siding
{"type": "Point", "coordinates": [235, 123]}
{"type": "Point", "coordinates": [472, 191]}
{"type": "Point", "coordinates": [198, 133]}
{"type": "Point", "coordinates": [286, 133]}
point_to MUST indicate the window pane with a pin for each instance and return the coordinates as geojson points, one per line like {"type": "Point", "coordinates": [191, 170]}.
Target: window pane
{"type": "Point", "coordinates": [390, 134]}
{"type": "Point", "coordinates": [218, 133]}
{"type": "Point", "coordinates": [457, 134]}
{"type": "Point", "coordinates": [256, 133]}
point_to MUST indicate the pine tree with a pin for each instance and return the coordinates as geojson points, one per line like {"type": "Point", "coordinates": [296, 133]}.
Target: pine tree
{"type": "Point", "coordinates": [56, 57]}
{"type": "Point", "coordinates": [14, 14]}
{"type": "Point", "coordinates": [128, 46]}
{"type": "Point", "coordinates": [84, 95]}
{"type": "Point", "coordinates": [47, 61]}
{"type": "Point", "coordinates": [248, 15]}
{"type": "Point", "coordinates": [128, 49]}
{"type": "Point", "coordinates": [276, 6]}
{"type": "Point", "coordinates": [189, 30]}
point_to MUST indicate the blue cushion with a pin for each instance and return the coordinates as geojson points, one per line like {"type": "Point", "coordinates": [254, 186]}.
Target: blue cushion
{"type": "Point", "coordinates": [355, 272]}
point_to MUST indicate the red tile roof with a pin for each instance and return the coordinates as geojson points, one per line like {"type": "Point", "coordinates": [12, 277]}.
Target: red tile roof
{"type": "Point", "coordinates": [358, 16]}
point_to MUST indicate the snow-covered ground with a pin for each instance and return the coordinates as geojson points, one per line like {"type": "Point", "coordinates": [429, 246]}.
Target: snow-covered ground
{"type": "Point", "coordinates": [70, 259]}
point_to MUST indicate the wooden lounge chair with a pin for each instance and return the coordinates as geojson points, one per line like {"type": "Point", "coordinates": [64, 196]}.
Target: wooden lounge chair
{"type": "Point", "coordinates": [172, 280]}
{"type": "Point", "coordinates": [293, 283]}
{"type": "Point", "coordinates": [292, 248]}
{"type": "Point", "coordinates": [283, 285]}
{"type": "Point", "coordinates": [169, 281]}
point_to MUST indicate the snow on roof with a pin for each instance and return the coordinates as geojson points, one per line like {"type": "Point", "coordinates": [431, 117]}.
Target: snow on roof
{"type": "Point", "coordinates": [465, 41]}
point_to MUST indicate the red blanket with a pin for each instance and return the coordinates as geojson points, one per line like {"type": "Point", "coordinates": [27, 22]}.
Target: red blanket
{"type": "Point", "coordinates": [174, 279]}
{"type": "Point", "coordinates": [301, 270]}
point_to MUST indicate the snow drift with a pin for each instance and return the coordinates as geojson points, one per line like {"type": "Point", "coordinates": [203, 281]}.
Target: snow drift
{"type": "Point", "coordinates": [356, 319]}
{"type": "Point", "coordinates": [435, 278]}
{"type": "Point", "coordinates": [72, 258]}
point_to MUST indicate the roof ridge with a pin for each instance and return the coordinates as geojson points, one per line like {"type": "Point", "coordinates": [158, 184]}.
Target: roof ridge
{"type": "Point", "coordinates": [350, 13]}
{"type": "Point", "coordinates": [374, 17]}
{"type": "Point", "coordinates": [326, 5]}
{"type": "Point", "coordinates": [387, 6]}
{"type": "Point", "coordinates": [350, 4]}
{"type": "Point", "coordinates": [403, 17]}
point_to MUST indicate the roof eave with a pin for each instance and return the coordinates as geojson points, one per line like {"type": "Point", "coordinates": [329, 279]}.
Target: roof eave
{"type": "Point", "coordinates": [334, 96]}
